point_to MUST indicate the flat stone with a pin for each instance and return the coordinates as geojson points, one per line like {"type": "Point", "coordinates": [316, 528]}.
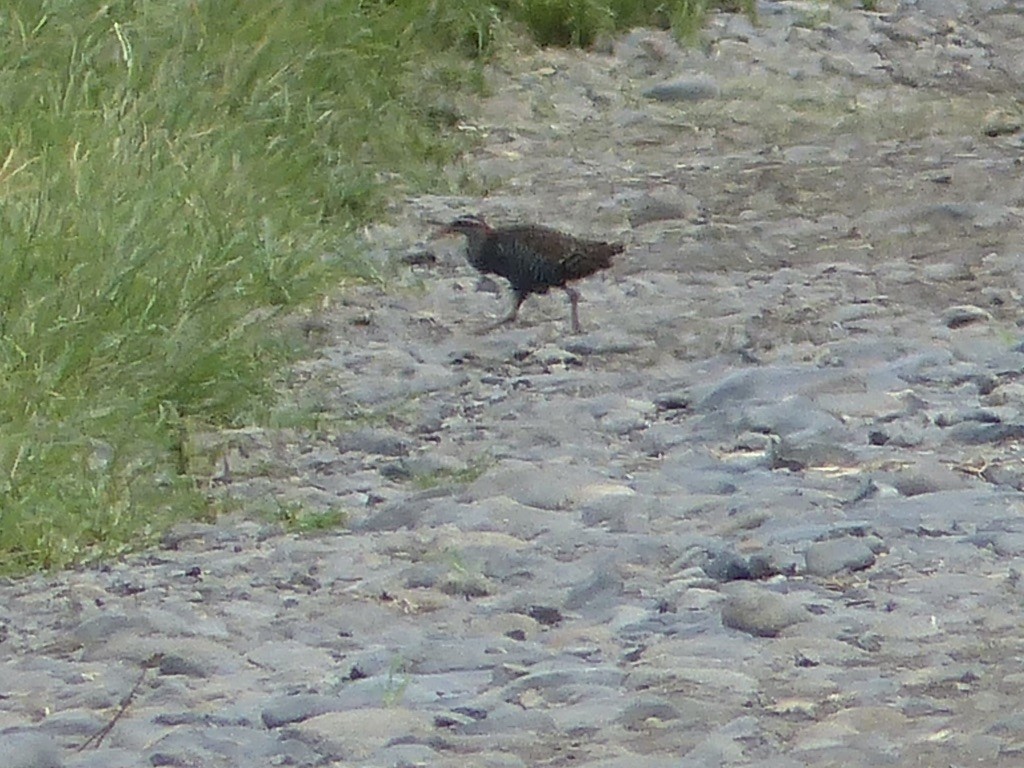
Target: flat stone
{"type": "Point", "coordinates": [758, 611]}
{"type": "Point", "coordinates": [550, 487]}
{"type": "Point", "coordinates": [684, 89]}
{"type": "Point", "coordinates": [825, 558]}
{"type": "Point", "coordinates": [358, 734]}
{"type": "Point", "coordinates": [294, 709]}
{"type": "Point", "coordinates": [965, 314]}
{"type": "Point", "coordinates": [663, 205]}
{"type": "Point", "coordinates": [376, 441]}
{"type": "Point", "coordinates": [25, 749]}
{"type": "Point", "coordinates": [638, 715]}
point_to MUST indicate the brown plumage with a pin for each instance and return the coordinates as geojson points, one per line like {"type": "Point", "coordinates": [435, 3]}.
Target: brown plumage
{"type": "Point", "coordinates": [532, 258]}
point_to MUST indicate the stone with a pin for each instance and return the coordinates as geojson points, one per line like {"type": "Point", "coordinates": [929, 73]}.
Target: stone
{"type": "Point", "coordinates": [25, 749]}
{"type": "Point", "coordinates": [683, 89]}
{"type": "Point", "coordinates": [826, 558]}
{"type": "Point", "coordinates": [760, 612]}
{"type": "Point", "coordinates": [964, 314]}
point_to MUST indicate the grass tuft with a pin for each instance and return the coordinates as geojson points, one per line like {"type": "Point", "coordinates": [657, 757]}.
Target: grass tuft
{"type": "Point", "coordinates": [295, 518]}
{"type": "Point", "coordinates": [581, 22]}
{"type": "Point", "coordinates": [566, 22]}
{"type": "Point", "coordinates": [171, 176]}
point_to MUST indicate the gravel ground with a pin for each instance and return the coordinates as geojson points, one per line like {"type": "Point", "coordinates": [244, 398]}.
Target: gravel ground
{"type": "Point", "coordinates": [765, 510]}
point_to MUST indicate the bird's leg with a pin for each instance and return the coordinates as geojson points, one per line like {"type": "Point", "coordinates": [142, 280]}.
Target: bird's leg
{"type": "Point", "coordinates": [574, 302]}
{"type": "Point", "coordinates": [518, 297]}
{"type": "Point", "coordinates": [517, 301]}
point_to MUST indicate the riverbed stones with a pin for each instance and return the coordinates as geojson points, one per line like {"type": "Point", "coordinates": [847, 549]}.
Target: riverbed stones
{"type": "Point", "coordinates": [764, 511]}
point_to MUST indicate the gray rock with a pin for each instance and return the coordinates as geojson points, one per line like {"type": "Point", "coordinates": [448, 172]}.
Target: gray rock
{"type": "Point", "coordinates": [400, 755]}
{"type": "Point", "coordinates": [1005, 473]}
{"type": "Point", "coordinates": [551, 682]}
{"type": "Point", "coordinates": [659, 439]}
{"type": "Point", "coordinates": [758, 611]}
{"type": "Point", "coordinates": [545, 487]}
{"type": "Point", "coordinates": [803, 451]}
{"type": "Point", "coordinates": [664, 205]}
{"type": "Point", "coordinates": [964, 314]}
{"type": "Point", "coordinates": [727, 566]}
{"type": "Point", "coordinates": [225, 745]}
{"type": "Point", "coordinates": [26, 749]}
{"type": "Point", "coordinates": [393, 517]}
{"type": "Point", "coordinates": [100, 628]}
{"type": "Point", "coordinates": [637, 716]}
{"type": "Point", "coordinates": [383, 442]}
{"type": "Point", "coordinates": [982, 415]}
{"type": "Point", "coordinates": [107, 758]}
{"type": "Point", "coordinates": [825, 558]}
{"type": "Point", "coordinates": [684, 89]}
{"type": "Point", "coordinates": [285, 710]}
{"type": "Point", "coordinates": [600, 590]}
{"type": "Point", "coordinates": [603, 342]}
{"type": "Point", "coordinates": [760, 385]}
{"type": "Point", "coordinates": [178, 664]}
{"type": "Point", "coordinates": [979, 433]}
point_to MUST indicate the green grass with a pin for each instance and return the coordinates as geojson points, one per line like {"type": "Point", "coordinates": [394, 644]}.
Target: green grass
{"type": "Point", "coordinates": [453, 476]}
{"type": "Point", "coordinates": [397, 682]}
{"type": "Point", "coordinates": [173, 176]}
{"type": "Point", "coordinates": [295, 518]}
{"type": "Point", "coordinates": [581, 22]}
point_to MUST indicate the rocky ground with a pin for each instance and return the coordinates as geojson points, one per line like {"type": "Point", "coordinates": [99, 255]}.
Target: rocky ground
{"type": "Point", "coordinates": [765, 510]}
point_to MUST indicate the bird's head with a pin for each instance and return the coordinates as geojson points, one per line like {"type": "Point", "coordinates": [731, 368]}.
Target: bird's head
{"type": "Point", "coordinates": [470, 225]}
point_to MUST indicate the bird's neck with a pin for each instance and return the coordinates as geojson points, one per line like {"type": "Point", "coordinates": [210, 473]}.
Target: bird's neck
{"type": "Point", "coordinates": [476, 239]}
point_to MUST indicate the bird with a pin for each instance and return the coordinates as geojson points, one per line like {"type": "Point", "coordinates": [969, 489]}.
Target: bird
{"type": "Point", "coordinates": [532, 258]}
